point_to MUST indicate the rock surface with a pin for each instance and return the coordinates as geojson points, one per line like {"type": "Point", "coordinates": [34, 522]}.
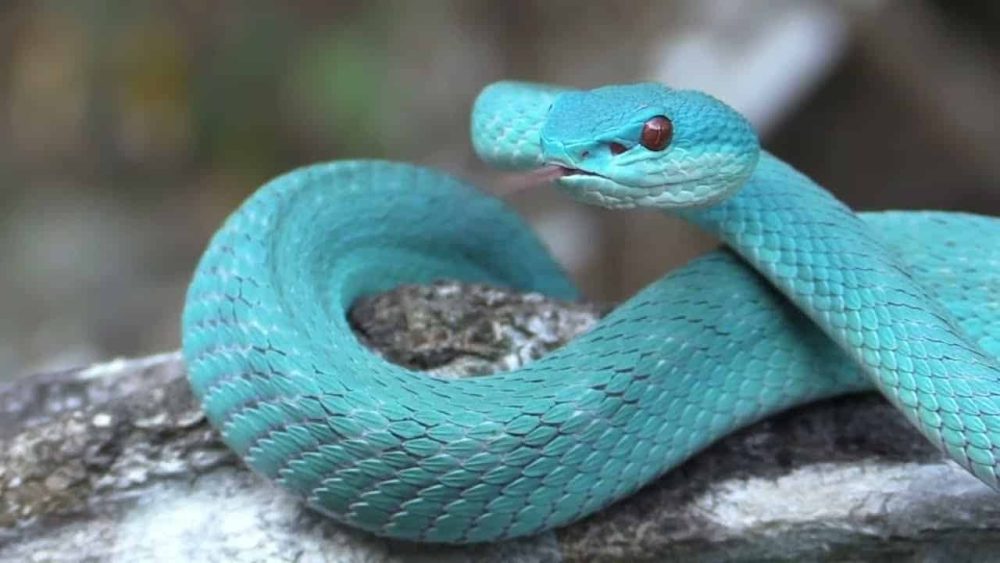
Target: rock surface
{"type": "Point", "coordinates": [116, 462]}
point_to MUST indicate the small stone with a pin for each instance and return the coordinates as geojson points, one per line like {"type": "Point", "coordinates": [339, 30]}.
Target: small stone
{"type": "Point", "coordinates": [189, 419]}
{"type": "Point", "coordinates": [156, 421]}
{"type": "Point", "coordinates": [102, 420]}
{"type": "Point", "coordinates": [57, 482]}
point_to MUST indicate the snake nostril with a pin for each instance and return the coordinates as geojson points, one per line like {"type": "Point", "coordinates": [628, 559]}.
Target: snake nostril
{"type": "Point", "coordinates": [584, 155]}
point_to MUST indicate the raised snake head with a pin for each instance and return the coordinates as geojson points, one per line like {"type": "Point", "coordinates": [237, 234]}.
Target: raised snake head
{"type": "Point", "coordinates": [637, 145]}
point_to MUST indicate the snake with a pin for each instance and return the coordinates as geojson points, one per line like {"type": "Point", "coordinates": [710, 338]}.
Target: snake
{"type": "Point", "coordinates": [804, 300]}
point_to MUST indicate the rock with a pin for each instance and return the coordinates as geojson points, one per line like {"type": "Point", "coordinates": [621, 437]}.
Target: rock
{"type": "Point", "coordinates": [115, 461]}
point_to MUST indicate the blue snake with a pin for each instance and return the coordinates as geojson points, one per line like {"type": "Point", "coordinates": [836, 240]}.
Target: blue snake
{"type": "Point", "coordinates": [809, 300]}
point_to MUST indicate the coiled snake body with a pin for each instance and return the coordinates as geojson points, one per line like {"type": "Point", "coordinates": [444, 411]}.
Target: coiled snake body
{"type": "Point", "coordinates": [819, 301]}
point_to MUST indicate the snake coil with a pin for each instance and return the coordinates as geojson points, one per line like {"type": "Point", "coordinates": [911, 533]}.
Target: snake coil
{"type": "Point", "coordinates": [810, 300]}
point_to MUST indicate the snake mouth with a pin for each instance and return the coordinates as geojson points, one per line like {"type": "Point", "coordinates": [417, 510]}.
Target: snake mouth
{"type": "Point", "coordinates": [557, 174]}
{"type": "Point", "coordinates": [604, 191]}
{"type": "Point", "coordinates": [557, 171]}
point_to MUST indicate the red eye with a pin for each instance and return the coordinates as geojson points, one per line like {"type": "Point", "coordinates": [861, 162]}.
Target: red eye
{"type": "Point", "coordinates": [656, 133]}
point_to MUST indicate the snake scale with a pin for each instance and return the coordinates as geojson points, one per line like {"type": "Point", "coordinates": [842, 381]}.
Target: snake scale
{"type": "Point", "coordinates": [809, 300]}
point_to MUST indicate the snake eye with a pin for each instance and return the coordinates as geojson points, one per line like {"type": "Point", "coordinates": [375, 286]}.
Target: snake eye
{"type": "Point", "coordinates": [656, 133]}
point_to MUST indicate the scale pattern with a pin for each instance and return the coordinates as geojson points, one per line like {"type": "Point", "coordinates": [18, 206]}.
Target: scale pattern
{"type": "Point", "coordinates": [828, 307]}
{"type": "Point", "coordinates": [838, 272]}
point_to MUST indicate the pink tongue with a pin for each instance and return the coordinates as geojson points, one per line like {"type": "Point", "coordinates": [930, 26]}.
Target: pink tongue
{"type": "Point", "coordinates": [515, 183]}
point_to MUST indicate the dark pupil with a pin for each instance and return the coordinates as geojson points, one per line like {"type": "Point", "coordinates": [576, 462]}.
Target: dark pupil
{"type": "Point", "coordinates": [656, 133]}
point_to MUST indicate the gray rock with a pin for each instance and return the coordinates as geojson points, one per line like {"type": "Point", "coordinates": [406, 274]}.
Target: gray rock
{"type": "Point", "coordinates": [116, 462]}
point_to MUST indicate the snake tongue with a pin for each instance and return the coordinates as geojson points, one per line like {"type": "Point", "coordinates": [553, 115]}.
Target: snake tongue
{"type": "Point", "coordinates": [516, 183]}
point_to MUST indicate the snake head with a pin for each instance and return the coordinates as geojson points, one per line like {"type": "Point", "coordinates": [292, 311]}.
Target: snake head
{"type": "Point", "coordinates": [637, 145]}
{"type": "Point", "coordinates": [646, 145]}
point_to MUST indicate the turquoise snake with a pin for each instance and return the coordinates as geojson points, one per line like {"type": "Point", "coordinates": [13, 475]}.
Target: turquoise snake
{"type": "Point", "coordinates": [809, 301]}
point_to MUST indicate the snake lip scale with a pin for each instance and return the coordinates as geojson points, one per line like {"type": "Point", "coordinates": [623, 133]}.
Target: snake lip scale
{"type": "Point", "coordinates": [809, 300]}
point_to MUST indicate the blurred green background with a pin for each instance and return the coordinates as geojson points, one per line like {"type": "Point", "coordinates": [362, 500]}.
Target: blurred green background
{"type": "Point", "coordinates": [128, 130]}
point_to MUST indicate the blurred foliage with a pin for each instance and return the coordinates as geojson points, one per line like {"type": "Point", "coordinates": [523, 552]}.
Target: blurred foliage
{"type": "Point", "coordinates": [335, 78]}
{"type": "Point", "coordinates": [155, 119]}
{"type": "Point", "coordinates": [112, 86]}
